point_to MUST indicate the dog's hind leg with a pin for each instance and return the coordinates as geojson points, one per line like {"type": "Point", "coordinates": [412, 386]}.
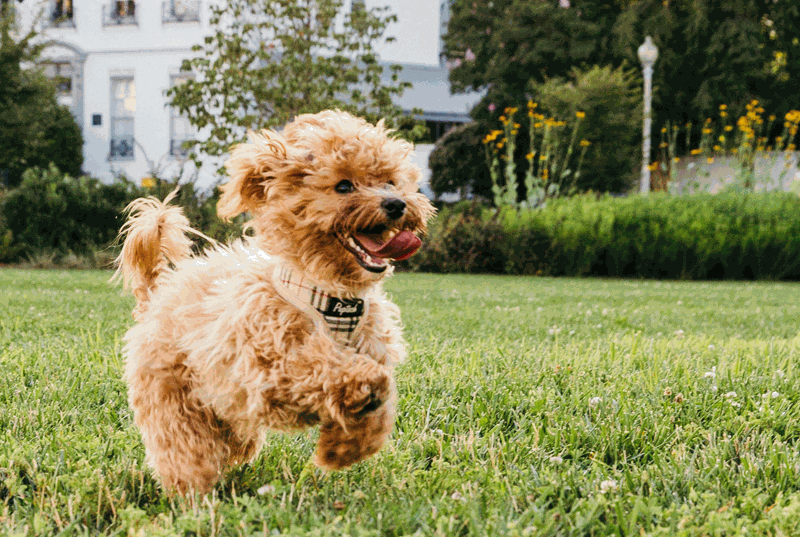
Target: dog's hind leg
{"type": "Point", "coordinates": [185, 442]}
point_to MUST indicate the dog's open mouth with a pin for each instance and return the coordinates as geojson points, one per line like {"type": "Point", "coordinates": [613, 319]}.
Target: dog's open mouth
{"type": "Point", "coordinates": [372, 247]}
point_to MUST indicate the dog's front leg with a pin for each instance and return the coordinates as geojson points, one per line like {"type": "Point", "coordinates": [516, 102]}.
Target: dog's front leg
{"type": "Point", "coordinates": [352, 394]}
{"type": "Point", "coordinates": [341, 445]}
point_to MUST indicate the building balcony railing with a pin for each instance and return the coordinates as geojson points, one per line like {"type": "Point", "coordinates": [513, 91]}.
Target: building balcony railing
{"type": "Point", "coordinates": [180, 11]}
{"type": "Point", "coordinates": [60, 18]}
{"type": "Point", "coordinates": [120, 13]}
{"type": "Point", "coordinates": [176, 148]}
{"type": "Point", "coordinates": [122, 148]}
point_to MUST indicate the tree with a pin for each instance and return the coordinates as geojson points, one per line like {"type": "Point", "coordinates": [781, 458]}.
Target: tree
{"type": "Point", "coordinates": [710, 52]}
{"type": "Point", "coordinates": [503, 44]}
{"type": "Point", "coordinates": [35, 130]}
{"type": "Point", "coordinates": [270, 60]}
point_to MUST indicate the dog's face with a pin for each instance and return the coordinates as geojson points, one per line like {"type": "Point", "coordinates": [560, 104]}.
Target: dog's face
{"type": "Point", "coordinates": [333, 194]}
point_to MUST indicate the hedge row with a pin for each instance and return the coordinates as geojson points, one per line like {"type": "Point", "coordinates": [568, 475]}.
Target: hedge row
{"type": "Point", "coordinates": [702, 236]}
{"type": "Point", "coordinates": [698, 237]}
{"type": "Point", "coordinates": [57, 215]}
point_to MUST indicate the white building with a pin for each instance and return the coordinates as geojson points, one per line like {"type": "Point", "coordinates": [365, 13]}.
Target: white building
{"type": "Point", "coordinates": [116, 58]}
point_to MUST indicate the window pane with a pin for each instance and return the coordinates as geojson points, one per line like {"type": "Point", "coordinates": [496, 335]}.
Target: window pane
{"type": "Point", "coordinates": [122, 128]}
{"type": "Point", "coordinates": [123, 97]}
{"type": "Point", "coordinates": [181, 128]}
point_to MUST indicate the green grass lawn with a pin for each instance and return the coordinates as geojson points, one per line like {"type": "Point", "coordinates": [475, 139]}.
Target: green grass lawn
{"type": "Point", "coordinates": [528, 406]}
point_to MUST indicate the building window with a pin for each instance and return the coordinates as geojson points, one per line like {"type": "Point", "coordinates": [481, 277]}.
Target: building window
{"type": "Point", "coordinates": [180, 11]}
{"type": "Point", "coordinates": [123, 110]}
{"type": "Point", "coordinates": [120, 13]}
{"type": "Point", "coordinates": [61, 75]}
{"type": "Point", "coordinates": [444, 18]}
{"type": "Point", "coordinates": [180, 129]}
{"type": "Point", "coordinates": [60, 15]}
{"type": "Point", "coordinates": [439, 128]}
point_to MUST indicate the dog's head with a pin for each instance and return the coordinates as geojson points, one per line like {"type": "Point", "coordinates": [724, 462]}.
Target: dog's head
{"type": "Point", "coordinates": [336, 196]}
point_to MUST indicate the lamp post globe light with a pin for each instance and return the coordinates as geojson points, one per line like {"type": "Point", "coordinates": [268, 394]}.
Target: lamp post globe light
{"type": "Point", "coordinates": [648, 53]}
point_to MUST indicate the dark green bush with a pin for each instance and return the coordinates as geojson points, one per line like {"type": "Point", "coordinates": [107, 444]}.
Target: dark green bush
{"type": "Point", "coordinates": [461, 239]}
{"type": "Point", "coordinates": [698, 237]}
{"type": "Point", "coordinates": [52, 211]}
{"type": "Point", "coordinates": [458, 161]}
{"type": "Point", "coordinates": [57, 214]}
{"type": "Point", "coordinates": [612, 101]}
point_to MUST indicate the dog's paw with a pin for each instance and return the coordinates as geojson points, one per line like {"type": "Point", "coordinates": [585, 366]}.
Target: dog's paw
{"type": "Point", "coordinates": [339, 447]}
{"type": "Point", "coordinates": [368, 387]}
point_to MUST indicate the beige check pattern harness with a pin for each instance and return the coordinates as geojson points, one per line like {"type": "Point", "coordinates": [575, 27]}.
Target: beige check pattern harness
{"type": "Point", "coordinates": [340, 315]}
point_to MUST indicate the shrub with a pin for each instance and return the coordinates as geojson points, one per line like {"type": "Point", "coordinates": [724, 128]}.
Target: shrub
{"type": "Point", "coordinates": [52, 211]}
{"type": "Point", "coordinates": [698, 237]}
{"type": "Point", "coordinates": [461, 239]}
{"type": "Point", "coordinates": [458, 162]}
{"type": "Point", "coordinates": [51, 215]}
{"type": "Point", "coordinates": [611, 99]}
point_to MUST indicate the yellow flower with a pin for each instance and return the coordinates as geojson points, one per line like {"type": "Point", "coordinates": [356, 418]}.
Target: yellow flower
{"type": "Point", "coordinates": [772, 117]}
{"type": "Point", "coordinates": [532, 104]}
{"type": "Point", "coordinates": [708, 120]}
{"type": "Point", "coordinates": [728, 128]}
{"type": "Point", "coordinates": [148, 182]}
{"type": "Point", "coordinates": [500, 145]}
{"type": "Point", "coordinates": [696, 151]}
{"type": "Point", "coordinates": [717, 148]}
{"type": "Point", "coordinates": [711, 160]}
{"type": "Point", "coordinates": [545, 173]}
{"type": "Point", "coordinates": [662, 145]}
{"type": "Point", "coordinates": [653, 167]}
{"type": "Point", "coordinates": [734, 150]}
{"type": "Point", "coordinates": [529, 156]}
{"type": "Point", "coordinates": [723, 107]}
{"type": "Point", "coordinates": [791, 147]}
{"type": "Point", "coordinates": [721, 137]}
{"type": "Point", "coordinates": [707, 131]}
{"type": "Point", "coordinates": [514, 131]}
{"type": "Point", "coordinates": [585, 143]}
{"type": "Point", "coordinates": [723, 114]}
{"type": "Point", "coordinates": [543, 157]}
{"type": "Point", "coordinates": [516, 125]}
{"type": "Point", "coordinates": [663, 130]}
{"type": "Point", "coordinates": [537, 125]}
{"type": "Point", "coordinates": [676, 160]}
{"type": "Point", "coordinates": [580, 115]}
{"type": "Point", "coordinates": [503, 119]}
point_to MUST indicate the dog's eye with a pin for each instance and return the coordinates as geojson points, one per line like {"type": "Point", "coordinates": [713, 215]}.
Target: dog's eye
{"type": "Point", "coordinates": [344, 187]}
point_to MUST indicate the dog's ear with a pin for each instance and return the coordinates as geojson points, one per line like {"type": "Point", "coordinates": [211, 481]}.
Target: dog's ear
{"type": "Point", "coordinates": [253, 168]}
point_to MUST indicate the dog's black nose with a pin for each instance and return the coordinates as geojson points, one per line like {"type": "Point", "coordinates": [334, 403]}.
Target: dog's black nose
{"type": "Point", "coordinates": [393, 207]}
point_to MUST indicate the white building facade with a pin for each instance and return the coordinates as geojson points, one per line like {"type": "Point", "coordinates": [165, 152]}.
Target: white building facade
{"type": "Point", "coordinates": [115, 59]}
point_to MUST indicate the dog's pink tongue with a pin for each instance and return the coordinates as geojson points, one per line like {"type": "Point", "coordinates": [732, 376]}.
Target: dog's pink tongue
{"type": "Point", "coordinates": [402, 246]}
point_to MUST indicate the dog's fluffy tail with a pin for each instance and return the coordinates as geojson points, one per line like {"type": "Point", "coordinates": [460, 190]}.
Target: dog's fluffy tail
{"type": "Point", "coordinates": [155, 237]}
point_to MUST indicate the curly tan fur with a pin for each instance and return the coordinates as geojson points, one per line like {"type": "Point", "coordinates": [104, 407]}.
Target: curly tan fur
{"type": "Point", "coordinates": [219, 355]}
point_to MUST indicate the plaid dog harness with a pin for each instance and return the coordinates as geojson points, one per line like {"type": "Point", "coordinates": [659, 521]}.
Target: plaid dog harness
{"type": "Point", "coordinates": [340, 315]}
